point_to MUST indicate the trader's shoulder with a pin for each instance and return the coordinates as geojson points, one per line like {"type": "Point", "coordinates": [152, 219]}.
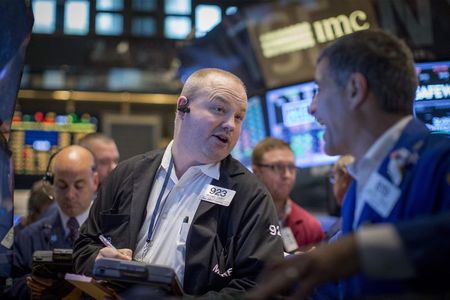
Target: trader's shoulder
{"type": "Point", "coordinates": [437, 146]}
{"type": "Point", "coordinates": [39, 227]}
{"type": "Point", "coordinates": [236, 169]}
{"type": "Point", "coordinates": [242, 178]}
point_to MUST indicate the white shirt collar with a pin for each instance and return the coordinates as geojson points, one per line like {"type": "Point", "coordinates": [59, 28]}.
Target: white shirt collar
{"type": "Point", "coordinates": [362, 169]}
{"type": "Point", "coordinates": [378, 151]}
{"type": "Point", "coordinates": [167, 156]}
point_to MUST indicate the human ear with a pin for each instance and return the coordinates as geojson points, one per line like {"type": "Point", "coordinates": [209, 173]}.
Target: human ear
{"type": "Point", "coordinates": [182, 100]}
{"type": "Point", "coordinates": [357, 90]}
{"type": "Point", "coordinates": [95, 180]}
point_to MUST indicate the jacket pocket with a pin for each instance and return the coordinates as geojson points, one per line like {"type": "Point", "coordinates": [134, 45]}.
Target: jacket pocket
{"type": "Point", "coordinates": [115, 227]}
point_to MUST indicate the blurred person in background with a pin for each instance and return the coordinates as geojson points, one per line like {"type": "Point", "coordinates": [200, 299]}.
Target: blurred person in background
{"type": "Point", "coordinates": [341, 180]}
{"type": "Point", "coordinates": [40, 199]}
{"type": "Point", "coordinates": [274, 163]}
{"type": "Point", "coordinates": [105, 151]}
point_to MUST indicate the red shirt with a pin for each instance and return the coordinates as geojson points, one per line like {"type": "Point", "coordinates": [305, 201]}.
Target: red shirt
{"type": "Point", "coordinates": [305, 227]}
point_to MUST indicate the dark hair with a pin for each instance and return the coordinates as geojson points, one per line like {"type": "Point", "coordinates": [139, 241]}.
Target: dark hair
{"type": "Point", "coordinates": [267, 145]}
{"type": "Point", "coordinates": [385, 61]}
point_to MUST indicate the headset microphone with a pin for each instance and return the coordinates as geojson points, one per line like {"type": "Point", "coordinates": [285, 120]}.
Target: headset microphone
{"type": "Point", "coordinates": [184, 108]}
{"type": "Point", "coordinates": [48, 175]}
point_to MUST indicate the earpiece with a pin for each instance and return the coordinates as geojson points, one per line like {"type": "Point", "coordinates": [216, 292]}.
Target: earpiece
{"type": "Point", "coordinates": [184, 107]}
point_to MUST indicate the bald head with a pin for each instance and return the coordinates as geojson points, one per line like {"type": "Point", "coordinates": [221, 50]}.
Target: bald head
{"type": "Point", "coordinates": [75, 179]}
{"type": "Point", "coordinates": [73, 158]}
{"type": "Point", "coordinates": [206, 79]}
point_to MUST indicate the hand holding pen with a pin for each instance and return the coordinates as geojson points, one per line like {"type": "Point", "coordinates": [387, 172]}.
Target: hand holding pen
{"type": "Point", "coordinates": [106, 242]}
{"type": "Point", "coordinates": [110, 251]}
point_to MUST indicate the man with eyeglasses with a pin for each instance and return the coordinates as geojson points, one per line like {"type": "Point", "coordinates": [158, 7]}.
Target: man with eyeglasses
{"type": "Point", "coordinates": [273, 162]}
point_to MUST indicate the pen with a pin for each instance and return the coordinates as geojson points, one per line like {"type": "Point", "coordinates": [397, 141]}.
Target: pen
{"type": "Point", "coordinates": [184, 224]}
{"type": "Point", "coordinates": [105, 241]}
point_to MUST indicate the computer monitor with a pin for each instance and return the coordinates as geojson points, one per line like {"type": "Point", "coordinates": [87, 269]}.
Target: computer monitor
{"type": "Point", "coordinates": [133, 134]}
{"type": "Point", "coordinates": [289, 120]}
{"type": "Point", "coordinates": [33, 141]}
{"type": "Point", "coordinates": [432, 103]}
{"type": "Point", "coordinates": [253, 130]}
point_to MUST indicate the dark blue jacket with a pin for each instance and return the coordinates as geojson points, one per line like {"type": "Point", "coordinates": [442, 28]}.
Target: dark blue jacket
{"type": "Point", "coordinates": [45, 234]}
{"type": "Point", "coordinates": [424, 190]}
{"type": "Point", "coordinates": [427, 245]}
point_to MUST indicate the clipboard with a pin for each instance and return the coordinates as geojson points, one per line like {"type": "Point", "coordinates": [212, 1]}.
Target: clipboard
{"type": "Point", "coordinates": [161, 277]}
{"type": "Point", "coordinates": [90, 286]}
{"type": "Point", "coordinates": [52, 263]}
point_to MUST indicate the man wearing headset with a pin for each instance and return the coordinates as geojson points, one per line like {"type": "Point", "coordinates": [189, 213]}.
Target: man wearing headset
{"type": "Point", "coordinates": [191, 206]}
{"type": "Point", "coordinates": [74, 180]}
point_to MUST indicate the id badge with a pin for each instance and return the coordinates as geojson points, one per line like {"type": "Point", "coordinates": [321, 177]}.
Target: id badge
{"type": "Point", "coordinates": [381, 194]}
{"type": "Point", "coordinates": [217, 195]}
{"type": "Point", "coordinates": [289, 241]}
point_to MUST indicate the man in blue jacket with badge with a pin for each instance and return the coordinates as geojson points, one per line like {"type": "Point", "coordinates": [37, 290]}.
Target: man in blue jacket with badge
{"type": "Point", "coordinates": [191, 206]}
{"type": "Point", "coordinates": [367, 83]}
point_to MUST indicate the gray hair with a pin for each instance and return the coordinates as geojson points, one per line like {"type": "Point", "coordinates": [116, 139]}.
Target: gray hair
{"type": "Point", "coordinates": [384, 60]}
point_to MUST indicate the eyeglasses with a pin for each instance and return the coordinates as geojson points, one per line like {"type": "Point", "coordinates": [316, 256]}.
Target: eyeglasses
{"type": "Point", "coordinates": [279, 168]}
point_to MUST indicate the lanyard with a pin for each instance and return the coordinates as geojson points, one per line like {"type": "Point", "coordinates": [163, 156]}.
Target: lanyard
{"type": "Point", "coordinates": [157, 211]}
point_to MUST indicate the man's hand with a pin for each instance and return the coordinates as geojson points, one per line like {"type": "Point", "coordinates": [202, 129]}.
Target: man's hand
{"type": "Point", "coordinates": [38, 285]}
{"type": "Point", "coordinates": [109, 252]}
{"type": "Point", "coordinates": [308, 270]}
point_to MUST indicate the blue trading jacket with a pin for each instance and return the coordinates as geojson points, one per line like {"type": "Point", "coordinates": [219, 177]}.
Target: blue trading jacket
{"type": "Point", "coordinates": [45, 234]}
{"type": "Point", "coordinates": [424, 189]}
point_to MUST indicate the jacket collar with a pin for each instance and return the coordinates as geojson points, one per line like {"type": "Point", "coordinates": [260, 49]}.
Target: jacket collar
{"type": "Point", "coordinates": [229, 170]}
{"type": "Point", "coordinates": [143, 177]}
{"type": "Point", "coordinates": [412, 135]}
